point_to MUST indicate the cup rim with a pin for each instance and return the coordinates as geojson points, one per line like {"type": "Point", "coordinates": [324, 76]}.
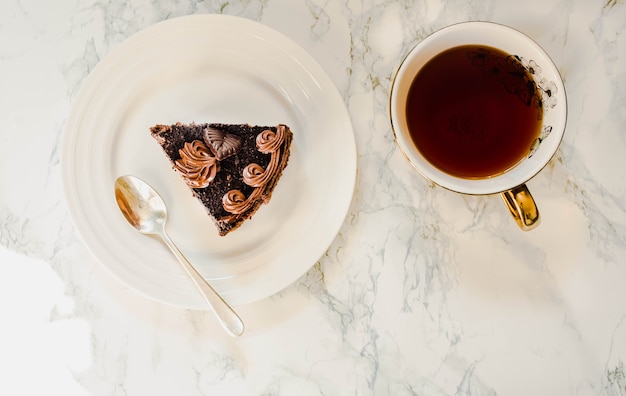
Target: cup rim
{"type": "Point", "coordinates": [483, 186]}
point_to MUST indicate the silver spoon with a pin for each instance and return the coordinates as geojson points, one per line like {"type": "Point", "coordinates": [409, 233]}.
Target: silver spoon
{"type": "Point", "coordinates": [145, 210]}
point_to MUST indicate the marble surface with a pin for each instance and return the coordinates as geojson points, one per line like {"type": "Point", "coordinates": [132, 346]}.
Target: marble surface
{"type": "Point", "coordinates": [422, 292]}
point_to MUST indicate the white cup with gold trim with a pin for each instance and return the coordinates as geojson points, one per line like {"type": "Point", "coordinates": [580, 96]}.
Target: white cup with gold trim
{"type": "Point", "coordinates": [420, 112]}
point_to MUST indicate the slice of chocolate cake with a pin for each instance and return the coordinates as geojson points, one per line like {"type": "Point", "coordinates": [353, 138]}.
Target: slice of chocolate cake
{"type": "Point", "coordinates": [231, 169]}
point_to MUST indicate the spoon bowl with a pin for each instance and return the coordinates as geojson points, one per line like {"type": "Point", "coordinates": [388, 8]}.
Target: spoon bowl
{"type": "Point", "coordinates": [142, 207]}
{"type": "Point", "coordinates": [145, 210]}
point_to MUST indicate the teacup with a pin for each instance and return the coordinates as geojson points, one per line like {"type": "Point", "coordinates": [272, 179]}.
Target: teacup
{"type": "Point", "coordinates": [480, 108]}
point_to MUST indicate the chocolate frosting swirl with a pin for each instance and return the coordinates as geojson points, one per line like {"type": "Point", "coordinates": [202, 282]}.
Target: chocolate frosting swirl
{"type": "Point", "coordinates": [255, 176]}
{"type": "Point", "coordinates": [234, 202]}
{"type": "Point", "coordinates": [269, 141]}
{"type": "Point", "coordinates": [197, 165]}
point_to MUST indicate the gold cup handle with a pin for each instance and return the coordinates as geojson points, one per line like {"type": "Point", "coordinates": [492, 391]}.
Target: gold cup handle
{"type": "Point", "coordinates": [522, 207]}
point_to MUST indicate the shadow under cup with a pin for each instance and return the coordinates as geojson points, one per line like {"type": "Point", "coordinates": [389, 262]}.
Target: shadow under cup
{"type": "Point", "coordinates": [550, 100]}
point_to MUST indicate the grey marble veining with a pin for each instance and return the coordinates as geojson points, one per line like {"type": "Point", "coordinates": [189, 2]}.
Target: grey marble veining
{"type": "Point", "coordinates": [422, 292]}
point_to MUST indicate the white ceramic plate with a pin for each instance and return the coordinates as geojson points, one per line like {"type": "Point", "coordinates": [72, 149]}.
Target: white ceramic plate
{"type": "Point", "coordinates": [208, 68]}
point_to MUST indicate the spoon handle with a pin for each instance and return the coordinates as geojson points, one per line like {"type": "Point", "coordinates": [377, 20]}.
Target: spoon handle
{"type": "Point", "coordinates": [224, 312]}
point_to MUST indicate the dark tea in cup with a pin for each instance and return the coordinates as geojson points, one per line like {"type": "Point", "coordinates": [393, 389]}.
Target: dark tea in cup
{"type": "Point", "coordinates": [474, 111]}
